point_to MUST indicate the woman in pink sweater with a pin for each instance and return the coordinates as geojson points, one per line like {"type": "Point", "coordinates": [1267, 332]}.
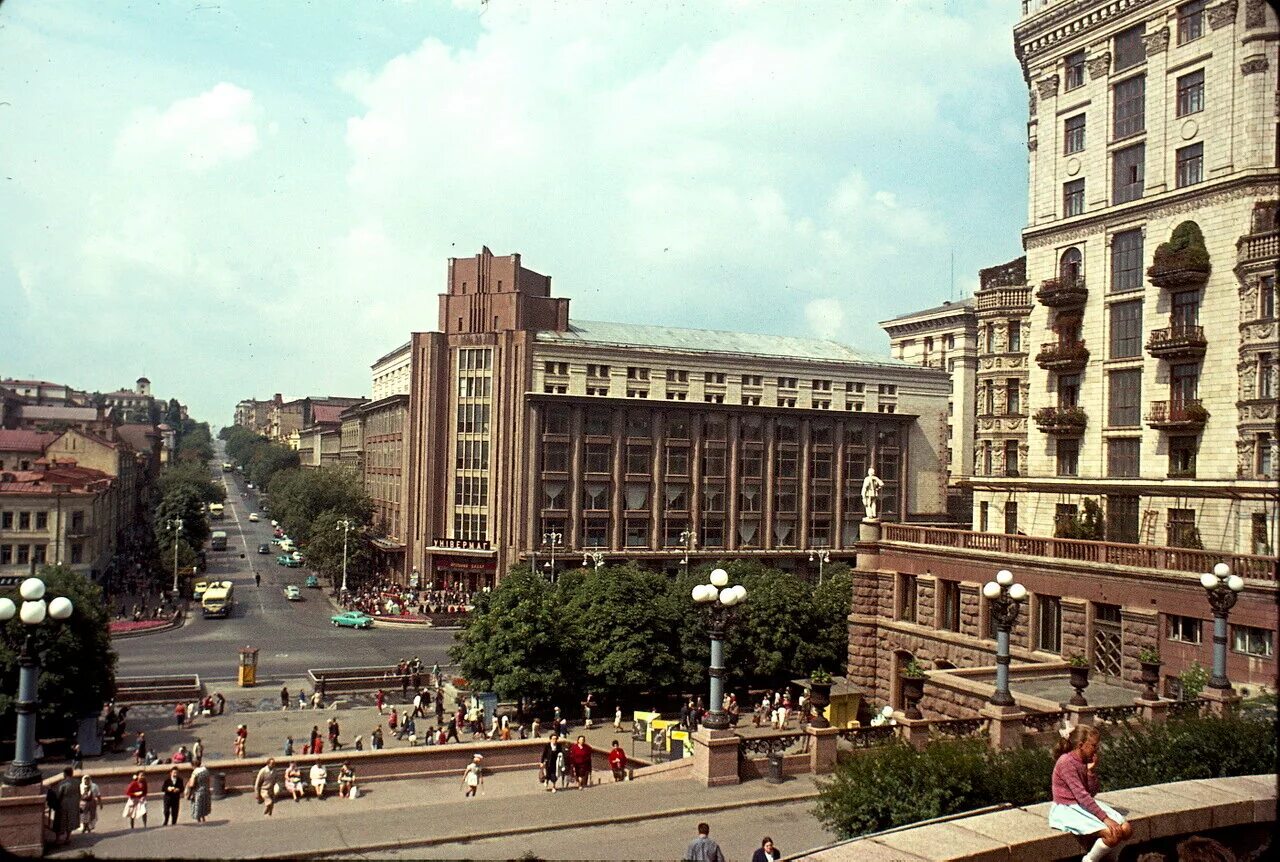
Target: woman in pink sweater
{"type": "Point", "coordinates": [1074, 809]}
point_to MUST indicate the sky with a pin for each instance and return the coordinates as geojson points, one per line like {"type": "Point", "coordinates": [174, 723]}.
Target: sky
{"type": "Point", "coordinates": [236, 198]}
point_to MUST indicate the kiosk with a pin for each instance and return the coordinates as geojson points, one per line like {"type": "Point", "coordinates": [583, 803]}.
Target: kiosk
{"type": "Point", "coordinates": [248, 670]}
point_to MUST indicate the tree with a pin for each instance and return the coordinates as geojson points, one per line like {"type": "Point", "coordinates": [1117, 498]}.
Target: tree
{"type": "Point", "coordinates": [268, 459]}
{"type": "Point", "coordinates": [828, 647]}
{"type": "Point", "coordinates": [298, 497]}
{"type": "Point", "coordinates": [324, 548]}
{"type": "Point", "coordinates": [77, 664]}
{"type": "Point", "coordinates": [514, 640]}
{"type": "Point", "coordinates": [769, 643]}
{"type": "Point", "coordinates": [194, 477]}
{"type": "Point", "coordinates": [182, 502]}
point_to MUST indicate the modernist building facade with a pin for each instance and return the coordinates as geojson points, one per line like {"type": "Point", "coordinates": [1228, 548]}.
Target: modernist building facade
{"type": "Point", "coordinates": [530, 435]}
{"type": "Point", "coordinates": [1154, 379]}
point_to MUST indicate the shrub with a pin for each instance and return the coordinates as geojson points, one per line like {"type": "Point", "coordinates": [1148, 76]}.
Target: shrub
{"type": "Point", "coordinates": [1184, 252]}
{"type": "Point", "coordinates": [1187, 748]}
{"type": "Point", "coordinates": [1193, 680]}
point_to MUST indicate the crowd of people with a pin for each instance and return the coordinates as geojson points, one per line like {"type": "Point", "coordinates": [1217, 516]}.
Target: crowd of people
{"type": "Point", "coordinates": [387, 598]}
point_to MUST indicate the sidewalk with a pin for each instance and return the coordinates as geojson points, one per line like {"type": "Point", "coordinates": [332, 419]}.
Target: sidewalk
{"type": "Point", "coordinates": [393, 817]}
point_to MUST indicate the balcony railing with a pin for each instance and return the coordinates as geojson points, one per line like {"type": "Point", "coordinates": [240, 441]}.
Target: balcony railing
{"type": "Point", "coordinates": [1177, 342]}
{"type": "Point", "coordinates": [1177, 415]}
{"type": "Point", "coordinates": [1062, 293]}
{"type": "Point", "coordinates": [1258, 246]}
{"type": "Point", "coordinates": [1062, 356]}
{"type": "Point", "coordinates": [1063, 421]}
{"type": "Point", "coordinates": [1003, 298]}
{"type": "Point", "coordinates": [1155, 557]}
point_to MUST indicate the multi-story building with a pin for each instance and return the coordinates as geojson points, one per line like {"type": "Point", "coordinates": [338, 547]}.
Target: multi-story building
{"type": "Point", "coordinates": [391, 373]}
{"type": "Point", "coordinates": [254, 415]}
{"type": "Point", "coordinates": [1152, 237]}
{"type": "Point", "coordinates": [58, 513]}
{"type": "Point", "coordinates": [287, 419]}
{"type": "Point", "coordinates": [20, 449]}
{"type": "Point", "coordinates": [530, 434]}
{"type": "Point", "coordinates": [132, 405]}
{"type": "Point", "coordinates": [946, 338]}
{"type": "Point", "coordinates": [386, 478]}
{"type": "Point", "coordinates": [45, 393]}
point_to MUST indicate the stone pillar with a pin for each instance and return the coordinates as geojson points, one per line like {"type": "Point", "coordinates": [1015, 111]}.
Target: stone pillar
{"type": "Point", "coordinates": [1074, 627]}
{"type": "Point", "coordinates": [913, 731]}
{"type": "Point", "coordinates": [22, 819]}
{"type": "Point", "coordinates": [1077, 715]}
{"type": "Point", "coordinates": [1005, 727]}
{"type": "Point", "coordinates": [869, 544]}
{"type": "Point", "coordinates": [1139, 628]}
{"type": "Point", "coordinates": [1153, 711]}
{"type": "Point", "coordinates": [715, 757]}
{"type": "Point", "coordinates": [1222, 701]}
{"type": "Point", "coordinates": [822, 749]}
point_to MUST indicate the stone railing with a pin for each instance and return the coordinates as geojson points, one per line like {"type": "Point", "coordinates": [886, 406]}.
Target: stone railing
{"type": "Point", "coordinates": [1156, 557]}
{"type": "Point", "coordinates": [1003, 297]}
{"type": "Point", "coordinates": [869, 737]}
{"type": "Point", "coordinates": [1258, 246]}
{"type": "Point", "coordinates": [959, 728]}
{"type": "Point", "coordinates": [157, 689]}
{"type": "Point", "coordinates": [773, 743]}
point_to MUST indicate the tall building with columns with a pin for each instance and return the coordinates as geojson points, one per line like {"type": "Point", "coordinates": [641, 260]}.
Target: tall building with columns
{"type": "Point", "coordinates": [1152, 243]}
{"type": "Point", "coordinates": [531, 435]}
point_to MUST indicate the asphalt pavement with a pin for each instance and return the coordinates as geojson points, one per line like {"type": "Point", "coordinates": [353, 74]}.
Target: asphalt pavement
{"type": "Point", "coordinates": [290, 636]}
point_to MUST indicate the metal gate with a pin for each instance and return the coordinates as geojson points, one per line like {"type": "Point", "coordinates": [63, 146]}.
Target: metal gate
{"type": "Point", "coordinates": [1107, 643]}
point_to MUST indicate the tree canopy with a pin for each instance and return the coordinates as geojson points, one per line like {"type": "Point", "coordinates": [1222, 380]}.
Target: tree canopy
{"type": "Point", "coordinates": [324, 548]}
{"type": "Point", "coordinates": [299, 497]}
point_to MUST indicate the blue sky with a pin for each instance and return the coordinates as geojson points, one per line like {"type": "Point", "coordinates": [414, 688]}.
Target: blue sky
{"type": "Point", "coordinates": [238, 198]}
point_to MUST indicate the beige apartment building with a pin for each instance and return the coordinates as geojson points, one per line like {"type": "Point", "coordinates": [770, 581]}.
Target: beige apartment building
{"type": "Point", "coordinates": [1152, 243]}
{"type": "Point", "coordinates": [59, 513]}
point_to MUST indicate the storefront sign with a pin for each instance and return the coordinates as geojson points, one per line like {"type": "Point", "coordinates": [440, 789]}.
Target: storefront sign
{"type": "Point", "coordinates": [441, 562]}
{"type": "Point", "coordinates": [462, 544]}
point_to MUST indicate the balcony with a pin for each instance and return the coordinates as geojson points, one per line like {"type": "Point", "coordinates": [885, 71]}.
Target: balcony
{"type": "Point", "coordinates": [1258, 247]}
{"type": "Point", "coordinates": [1062, 293]}
{"type": "Point", "coordinates": [1181, 341]}
{"type": "Point", "coordinates": [1062, 356]}
{"type": "Point", "coordinates": [1186, 415]}
{"type": "Point", "coordinates": [1061, 421]}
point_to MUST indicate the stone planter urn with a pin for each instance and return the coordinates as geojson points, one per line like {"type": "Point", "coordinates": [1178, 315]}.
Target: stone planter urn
{"type": "Point", "coordinates": [1150, 678]}
{"type": "Point", "coordinates": [912, 693]}
{"type": "Point", "coordinates": [1079, 681]}
{"type": "Point", "coordinates": [820, 698]}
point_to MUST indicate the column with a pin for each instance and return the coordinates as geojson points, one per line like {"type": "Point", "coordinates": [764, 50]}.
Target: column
{"type": "Point", "coordinates": [695, 478]}
{"type": "Point", "coordinates": [837, 471]}
{"type": "Point", "coordinates": [619, 430]}
{"type": "Point", "coordinates": [770, 448]}
{"type": "Point", "coordinates": [573, 528]}
{"type": "Point", "coordinates": [534, 479]}
{"type": "Point", "coordinates": [657, 459]}
{"type": "Point", "coordinates": [802, 524]}
{"type": "Point", "coordinates": [731, 452]}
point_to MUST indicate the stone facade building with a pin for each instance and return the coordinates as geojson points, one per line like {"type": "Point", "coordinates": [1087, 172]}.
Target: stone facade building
{"type": "Point", "coordinates": [1152, 241]}
{"type": "Point", "coordinates": [59, 513]}
{"type": "Point", "coordinates": [530, 435]}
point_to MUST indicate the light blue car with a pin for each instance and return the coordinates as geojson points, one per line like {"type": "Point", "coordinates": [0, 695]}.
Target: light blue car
{"type": "Point", "coordinates": [351, 620]}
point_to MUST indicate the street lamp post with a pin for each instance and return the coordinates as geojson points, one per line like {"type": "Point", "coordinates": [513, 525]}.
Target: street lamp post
{"type": "Point", "coordinates": [823, 557]}
{"type": "Point", "coordinates": [176, 524]}
{"type": "Point", "coordinates": [1006, 600]}
{"type": "Point", "coordinates": [1223, 589]}
{"type": "Point", "coordinates": [344, 525]}
{"type": "Point", "coordinates": [553, 539]}
{"type": "Point", "coordinates": [596, 558]}
{"type": "Point", "coordinates": [719, 599]}
{"type": "Point", "coordinates": [23, 770]}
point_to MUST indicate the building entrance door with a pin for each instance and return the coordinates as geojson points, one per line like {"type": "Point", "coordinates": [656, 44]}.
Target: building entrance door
{"type": "Point", "coordinates": [1108, 645]}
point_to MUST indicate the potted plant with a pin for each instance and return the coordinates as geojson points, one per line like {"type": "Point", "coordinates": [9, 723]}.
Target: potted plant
{"type": "Point", "coordinates": [820, 697]}
{"type": "Point", "coordinates": [1079, 667]}
{"type": "Point", "coordinates": [912, 688]}
{"type": "Point", "coordinates": [1196, 412]}
{"type": "Point", "coordinates": [1183, 260]}
{"type": "Point", "coordinates": [1149, 659]}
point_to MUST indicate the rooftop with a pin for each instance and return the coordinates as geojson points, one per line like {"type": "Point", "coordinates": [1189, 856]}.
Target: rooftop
{"type": "Point", "coordinates": [961, 305]}
{"type": "Point", "coordinates": [327, 414]}
{"type": "Point", "coordinates": [58, 478]}
{"type": "Point", "coordinates": [58, 413]}
{"type": "Point", "coordinates": [710, 341]}
{"type": "Point", "coordinates": [22, 440]}
{"type": "Point", "coordinates": [399, 351]}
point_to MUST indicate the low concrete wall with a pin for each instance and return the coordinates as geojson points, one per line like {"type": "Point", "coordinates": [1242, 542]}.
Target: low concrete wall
{"type": "Point", "coordinates": [757, 767]}
{"type": "Point", "coordinates": [1156, 812]}
{"type": "Point", "coordinates": [158, 689]}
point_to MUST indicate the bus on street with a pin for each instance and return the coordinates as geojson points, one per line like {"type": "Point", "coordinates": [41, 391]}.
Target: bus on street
{"type": "Point", "coordinates": [218, 541]}
{"type": "Point", "coordinates": [215, 511]}
{"type": "Point", "coordinates": [218, 599]}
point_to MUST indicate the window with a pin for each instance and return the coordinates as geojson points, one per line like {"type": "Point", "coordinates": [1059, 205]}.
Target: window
{"type": "Point", "coordinates": [750, 499]}
{"type": "Point", "coordinates": [1186, 309]}
{"type": "Point", "coordinates": [6, 555]}
{"type": "Point", "coordinates": [787, 383]}
{"type": "Point", "coordinates": [784, 463]}
{"type": "Point", "coordinates": [677, 375]}
{"type": "Point", "coordinates": [1266, 376]}
{"type": "Point", "coordinates": [597, 423]}
{"type": "Point", "coordinates": [907, 598]}
{"type": "Point", "coordinates": [949, 606]}
{"type": "Point", "coordinates": [1068, 390]}
{"type": "Point", "coordinates": [1184, 383]}
{"type": "Point", "coordinates": [677, 461]}
{"type": "Point", "coordinates": [1125, 394]}
{"type": "Point", "coordinates": [1267, 297]}
{"type": "Point", "coordinates": [1072, 201]}
{"type": "Point", "coordinates": [1191, 21]}
{"type": "Point", "coordinates": [716, 377]}
{"type": "Point", "coordinates": [1252, 641]}
{"type": "Point", "coordinates": [557, 422]}
{"type": "Point", "coordinates": [77, 553]}
{"type": "Point", "coordinates": [553, 495]}
{"type": "Point", "coordinates": [1074, 67]}
{"type": "Point", "coordinates": [1015, 337]}
{"type": "Point", "coordinates": [24, 554]}
{"type": "Point", "coordinates": [638, 457]}
{"type": "Point", "coordinates": [1068, 451]}
{"type": "Point", "coordinates": [555, 457]}
{"type": "Point", "coordinates": [637, 534]}
{"type": "Point", "coordinates": [713, 462]}
{"type": "Point", "coordinates": [1011, 457]}
{"type": "Point", "coordinates": [1190, 165]}
{"type": "Point", "coordinates": [549, 389]}
{"type": "Point", "coordinates": [887, 389]}
{"type": "Point", "coordinates": [42, 520]}
{"type": "Point", "coordinates": [1064, 514]}
{"type": "Point", "coordinates": [635, 373]}
{"type": "Point", "coordinates": [77, 518]}
{"type": "Point", "coordinates": [1185, 630]}
{"type": "Point", "coordinates": [752, 380]}
{"type": "Point", "coordinates": [854, 387]}
{"type": "Point", "coordinates": [1049, 623]}
{"type": "Point", "coordinates": [1073, 135]}
{"type": "Point", "coordinates": [6, 520]}
{"type": "Point", "coordinates": [986, 459]}
{"type": "Point", "coordinates": [1258, 534]}
{"type": "Point", "coordinates": [1127, 49]}
{"type": "Point", "coordinates": [1191, 93]}
{"type": "Point", "coordinates": [1122, 518]}
{"type": "Point", "coordinates": [1011, 518]}
{"type": "Point", "coordinates": [1181, 529]}
{"type": "Point", "coordinates": [1129, 108]}
{"type": "Point", "coordinates": [676, 396]}
{"type": "Point", "coordinates": [599, 458]}
{"type": "Point", "coordinates": [1126, 261]}
{"type": "Point", "coordinates": [559, 368]}
{"type": "Point", "coordinates": [825, 385]}
{"type": "Point", "coordinates": [1126, 173]}
{"type": "Point", "coordinates": [1012, 399]}
{"type": "Point", "coordinates": [24, 520]}
{"type": "Point", "coordinates": [1182, 457]}
{"type": "Point", "coordinates": [1122, 457]}
{"type": "Point", "coordinates": [751, 463]}
{"type": "Point", "coordinates": [678, 427]}
{"type": "Point", "coordinates": [1263, 458]}
{"type": "Point", "coordinates": [1126, 330]}
{"type": "Point", "coordinates": [596, 496]}
{"type": "Point", "coordinates": [596, 533]}
{"type": "Point", "coordinates": [597, 370]}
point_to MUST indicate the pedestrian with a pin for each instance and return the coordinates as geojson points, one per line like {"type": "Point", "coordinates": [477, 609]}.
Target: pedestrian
{"type": "Point", "coordinates": [242, 738]}
{"type": "Point", "coordinates": [704, 848]}
{"type": "Point", "coordinates": [766, 852]}
{"type": "Point", "coordinates": [200, 793]}
{"type": "Point", "coordinates": [77, 763]}
{"type": "Point", "coordinates": [66, 811]}
{"type": "Point", "coordinates": [264, 786]}
{"type": "Point", "coordinates": [140, 749]}
{"type": "Point", "coordinates": [617, 717]}
{"type": "Point", "coordinates": [375, 739]}
{"type": "Point", "coordinates": [302, 699]}
{"type": "Point", "coordinates": [293, 782]}
{"type": "Point", "coordinates": [90, 802]}
{"type": "Point", "coordinates": [618, 761]}
{"type": "Point", "coordinates": [359, 743]}
{"type": "Point", "coordinates": [197, 750]}
{"type": "Point", "coordinates": [319, 778]}
{"type": "Point", "coordinates": [417, 705]}
{"type": "Point", "coordinates": [170, 795]}
{"type": "Point", "coordinates": [549, 763]}
{"type": "Point", "coordinates": [180, 714]}
{"type": "Point", "coordinates": [580, 762]}
{"type": "Point", "coordinates": [471, 776]}
{"type": "Point", "coordinates": [347, 782]}
{"type": "Point", "coordinates": [334, 730]}
{"type": "Point", "coordinates": [1074, 783]}
{"type": "Point", "coordinates": [257, 579]}
{"type": "Point", "coordinates": [288, 747]}
{"type": "Point", "coordinates": [135, 803]}
{"type": "Point", "coordinates": [317, 699]}
{"type": "Point", "coordinates": [284, 697]}
{"type": "Point", "coordinates": [318, 748]}
{"type": "Point", "coordinates": [379, 700]}
{"type": "Point", "coordinates": [394, 720]}
{"type": "Point", "coordinates": [537, 728]}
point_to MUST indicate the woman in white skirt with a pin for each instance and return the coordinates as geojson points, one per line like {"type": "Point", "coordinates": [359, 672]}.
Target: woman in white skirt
{"type": "Point", "coordinates": [1075, 781]}
{"type": "Point", "coordinates": [135, 803]}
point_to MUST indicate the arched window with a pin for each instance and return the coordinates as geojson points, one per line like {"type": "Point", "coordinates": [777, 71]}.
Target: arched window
{"type": "Point", "coordinates": [1070, 266]}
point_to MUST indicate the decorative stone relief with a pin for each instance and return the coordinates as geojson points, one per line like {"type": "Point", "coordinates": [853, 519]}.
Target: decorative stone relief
{"type": "Point", "coordinates": [1047, 86]}
{"type": "Point", "coordinates": [1189, 130]}
{"type": "Point", "coordinates": [1222, 14]}
{"type": "Point", "coordinates": [1156, 42]}
{"type": "Point", "coordinates": [1099, 66]}
{"type": "Point", "coordinates": [1253, 65]}
{"type": "Point", "coordinates": [1031, 103]}
{"type": "Point", "coordinates": [1255, 14]}
{"type": "Point", "coordinates": [1244, 458]}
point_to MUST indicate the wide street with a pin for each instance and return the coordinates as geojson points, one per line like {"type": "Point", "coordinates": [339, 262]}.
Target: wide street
{"type": "Point", "coordinates": [291, 636]}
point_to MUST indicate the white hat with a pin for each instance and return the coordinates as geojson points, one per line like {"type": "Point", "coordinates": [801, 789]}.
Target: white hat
{"type": "Point", "coordinates": [479, 757]}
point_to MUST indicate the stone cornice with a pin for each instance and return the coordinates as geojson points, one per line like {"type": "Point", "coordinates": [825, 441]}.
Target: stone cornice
{"type": "Point", "coordinates": [1059, 22]}
{"type": "Point", "coordinates": [951, 320]}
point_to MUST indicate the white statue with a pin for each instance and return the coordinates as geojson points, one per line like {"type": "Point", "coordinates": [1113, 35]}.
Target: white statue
{"type": "Point", "coordinates": [871, 486]}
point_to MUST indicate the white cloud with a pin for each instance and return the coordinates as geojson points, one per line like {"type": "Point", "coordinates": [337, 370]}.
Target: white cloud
{"type": "Point", "coordinates": [196, 133]}
{"type": "Point", "coordinates": [825, 317]}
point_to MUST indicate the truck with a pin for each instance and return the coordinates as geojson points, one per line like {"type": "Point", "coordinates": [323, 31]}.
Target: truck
{"type": "Point", "coordinates": [218, 599]}
{"type": "Point", "coordinates": [218, 540]}
{"type": "Point", "coordinates": [216, 511]}
{"type": "Point", "coordinates": [226, 466]}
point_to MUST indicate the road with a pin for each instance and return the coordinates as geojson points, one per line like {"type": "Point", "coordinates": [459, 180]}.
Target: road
{"type": "Point", "coordinates": [291, 636]}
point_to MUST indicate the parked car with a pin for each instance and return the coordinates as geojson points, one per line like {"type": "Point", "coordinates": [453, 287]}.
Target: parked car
{"type": "Point", "coordinates": [253, 516]}
{"type": "Point", "coordinates": [313, 582]}
{"type": "Point", "coordinates": [264, 549]}
{"type": "Point", "coordinates": [351, 619]}
{"type": "Point", "coordinates": [198, 588]}
{"type": "Point", "coordinates": [275, 523]}
{"type": "Point", "coordinates": [288, 561]}
{"type": "Point", "coordinates": [292, 593]}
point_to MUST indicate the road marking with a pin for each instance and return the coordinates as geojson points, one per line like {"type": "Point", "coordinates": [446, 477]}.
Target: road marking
{"type": "Point", "coordinates": [245, 544]}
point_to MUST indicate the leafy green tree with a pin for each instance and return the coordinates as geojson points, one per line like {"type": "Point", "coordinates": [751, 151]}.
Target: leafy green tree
{"type": "Point", "coordinates": [267, 460]}
{"type": "Point", "coordinates": [828, 646]}
{"type": "Point", "coordinates": [193, 476]}
{"type": "Point", "coordinates": [182, 502]}
{"type": "Point", "coordinates": [298, 497]}
{"type": "Point", "coordinates": [77, 664]}
{"type": "Point", "coordinates": [514, 641]}
{"type": "Point", "coordinates": [324, 549]}
{"type": "Point", "coordinates": [770, 640]}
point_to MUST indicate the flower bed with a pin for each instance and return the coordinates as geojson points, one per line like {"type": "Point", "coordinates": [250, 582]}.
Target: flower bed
{"type": "Point", "coordinates": [129, 626]}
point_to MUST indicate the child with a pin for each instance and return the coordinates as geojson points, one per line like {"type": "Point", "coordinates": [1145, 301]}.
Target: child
{"type": "Point", "coordinates": [1074, 783]}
